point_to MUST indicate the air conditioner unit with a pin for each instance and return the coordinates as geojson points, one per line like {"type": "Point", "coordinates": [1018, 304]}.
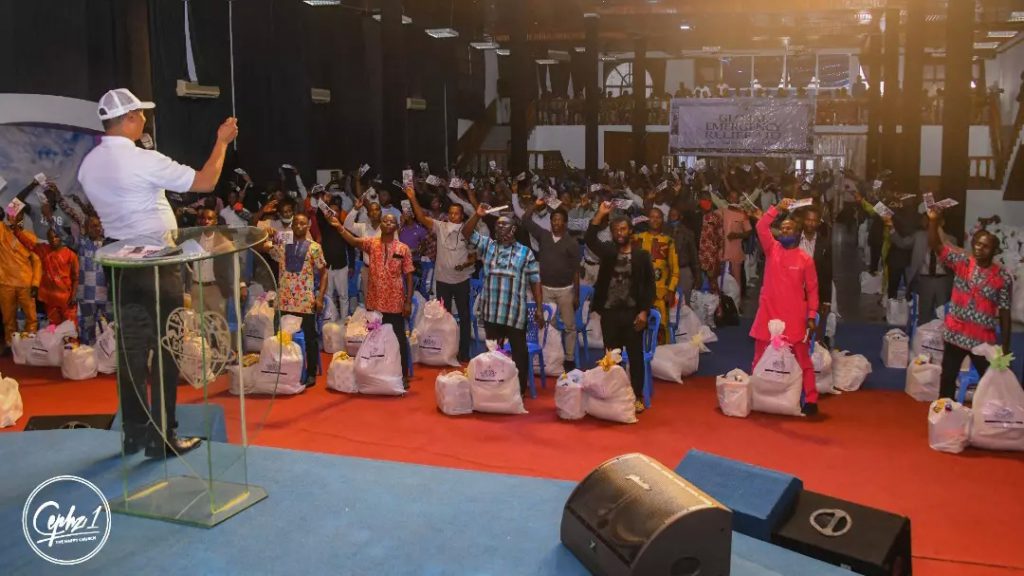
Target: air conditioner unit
{"type": "Point", "coordinates": [321, 96]}
{"type": "Point", "coordinates": [415, 104]}
{"type": "Point", "coordinates": [186, 89]}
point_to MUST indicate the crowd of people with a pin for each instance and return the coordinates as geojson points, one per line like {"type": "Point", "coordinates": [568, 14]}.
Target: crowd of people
{"type": "Point", "coordinates": [644, 237]}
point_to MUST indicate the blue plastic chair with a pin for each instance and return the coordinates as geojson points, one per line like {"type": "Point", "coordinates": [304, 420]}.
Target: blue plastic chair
{"type": "Point", "coordinates": [650, 345]}
{"type": "Point", "coordinates": [353, 285]}
{"type": "Point", "coordinates": [411, 324]}
{"type": "Point", "coordinates": [426, 280]}
{"type": "Point", "coordinates": [673, 321]}
{"type": "Point", "coordinates": [535, 343]}
{"type": "Point", "coordinates": [586, 295]}
{"type": "Point", "coordinates": [476, 286]}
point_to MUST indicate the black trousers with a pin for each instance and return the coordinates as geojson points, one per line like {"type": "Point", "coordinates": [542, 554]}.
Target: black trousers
{"type": "Point", "coordinates": [397, 322]}
{"type": "Point", "coordinates": [312, 344]}
{"type": "Point", "coordinates": [517, 342]}
{"type": "Point", "coordinates": [895, 275]}
{"type": "Point", "coordinates": [134, 292]}
{"type": "Point", "coordinates": [952, 357]}
{"type": "Point", "coordinates": [459, 294]}
{"type": "Point", "coordinates": [618, 331]}
{"type": "Point", "coordinates": [876, 253]}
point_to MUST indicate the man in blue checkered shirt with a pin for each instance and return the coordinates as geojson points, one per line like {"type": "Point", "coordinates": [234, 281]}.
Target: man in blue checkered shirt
{"type": "Point", "coordinates": [510, 269]}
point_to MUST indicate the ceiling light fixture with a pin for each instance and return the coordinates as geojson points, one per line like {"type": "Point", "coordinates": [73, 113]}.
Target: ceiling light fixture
{"type": "Point", "coordinates": [487, 45]}
{"type": "Point", "coordinates": [546, 61]}
{"type": "Point", "coordinates": [1002, 34]}
{"type": "Point", "coordinates": [323, 2]}
{"type": "Point", "coordinates": [864, 17]}
{"type": "Point", "coordinates": [502, 51]}
{"type": "Point", "coordinates": [685, 27]}
{"type": "Point", "coordinates": [580, 49]}
{"type": "Point", "coordinates": [405, 19]}
{"type": "Point", "coordinates": [1016, 16]}
{"type": "Point", "coordinates": [986, 45]}
{"type": "Point", "coordinates": [442, 32]}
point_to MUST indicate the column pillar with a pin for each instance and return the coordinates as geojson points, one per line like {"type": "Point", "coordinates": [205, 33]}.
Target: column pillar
{"type": "Point", "coordinates": [891, 99]}
{"type": "Point", "coordinates": [520, 85]}
{"type": "Point", "coordinates": [956, 116]}
{"type": "Point", "coordinates": [874, 75]}
{"type": "Point", "coordinates": [639, 101]}
{"type": "Point", "coordinates": [393, 93]}
{"type": "Point", "coordinates": [913, 90]}
{"type": "Point", "coordinates": [592, 106]}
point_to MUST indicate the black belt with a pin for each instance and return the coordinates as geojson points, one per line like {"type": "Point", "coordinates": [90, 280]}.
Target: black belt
{"type": "Point", "coordinates": [933, 275]}
{"type": "Point", "coordinates": [210, 283]}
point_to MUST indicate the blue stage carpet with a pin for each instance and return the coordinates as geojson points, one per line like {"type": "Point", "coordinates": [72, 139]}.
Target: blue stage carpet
{"type": "Point", "coordinates": [329, 515]}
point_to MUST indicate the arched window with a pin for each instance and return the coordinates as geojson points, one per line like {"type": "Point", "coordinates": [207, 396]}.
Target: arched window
{"type": "Point", "coordinates": [620, 80]}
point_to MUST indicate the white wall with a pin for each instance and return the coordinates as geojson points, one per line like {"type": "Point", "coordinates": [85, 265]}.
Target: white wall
{"type": "Point", "coordinates": [985, 203]}
{"type": "Point", "coordinates": [464, 125]}
{"type": "Point", "coordinates": [490, 77]}
{"type": "Point", "coordinates": [677, 71]}
{"type": "Point", "coordinates": [931, 147]}
{"type": "Point", "coordinates": [46, 109]}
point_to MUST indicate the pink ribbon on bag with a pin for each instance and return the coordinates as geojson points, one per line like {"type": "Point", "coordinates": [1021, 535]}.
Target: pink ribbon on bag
{"type": "Point", "coordinates": [51, 329]}
{"type": "Point", "coordinates": [779, 341]}
{"type": "Point", "coordinates": [373, 325]}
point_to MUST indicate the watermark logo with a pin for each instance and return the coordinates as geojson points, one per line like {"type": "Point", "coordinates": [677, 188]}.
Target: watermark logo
{"type": "Point", "coordinates": [66, 520]}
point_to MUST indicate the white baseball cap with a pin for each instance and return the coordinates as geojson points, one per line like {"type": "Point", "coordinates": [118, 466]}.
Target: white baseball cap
{"type": "Point", "coordinates": [119, 102]}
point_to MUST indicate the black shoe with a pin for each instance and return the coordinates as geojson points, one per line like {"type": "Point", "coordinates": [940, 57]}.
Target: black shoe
{"type": "Point", "coordinates": [405, 382]}
{"type": "Point", "coordinates": [810, 409]}
{"type": "Point", "coordinates": [568, 366]}
{"type": "Point", "coordinates": [174, 446]}
{"type": "Point", "coordinates": [133, 442]}
{"type": "Point", "coordinates": [311, 383]}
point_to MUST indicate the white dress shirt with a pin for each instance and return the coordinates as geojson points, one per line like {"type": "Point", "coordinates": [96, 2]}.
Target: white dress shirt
{"type": "Point", "coordinates": [126, 185]}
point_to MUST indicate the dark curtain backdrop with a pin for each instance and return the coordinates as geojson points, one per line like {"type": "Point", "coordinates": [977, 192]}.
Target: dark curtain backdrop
{"type": "Point", "coordinates": [76, 49]}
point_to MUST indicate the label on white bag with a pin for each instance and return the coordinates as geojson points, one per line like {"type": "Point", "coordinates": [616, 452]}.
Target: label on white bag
{"type": "Point", "coordinates": [1002, 416]}
{"type": "Point", "coordinates": [430, 343]}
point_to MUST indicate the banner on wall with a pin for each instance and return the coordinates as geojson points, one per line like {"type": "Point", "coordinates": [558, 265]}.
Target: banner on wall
{"type": "Point", "coordinates": [742, 126]}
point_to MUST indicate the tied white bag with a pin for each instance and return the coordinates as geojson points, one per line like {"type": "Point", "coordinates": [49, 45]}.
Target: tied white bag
{"type": "Point", "coordinates": [672, 362]}
{"type": "Point", "coordinates": [106, 348]}
{"type": "Point", "coordinates": [777, 380]}
{"type": "Point", "coordinates": [609, 392]}
{"type": "Point", "coordinates": [494, 382]}
{"type": "Point", "coordinates": [438, 336]}
{"type": "Point", "coordinates": [355, 331]}
{"type": "Point", "coordinates": [249, 379]}
{"type": "Point", "coordinates": [705, 304]}
{"type": "Point", "coordinates": [554, 353]}
{"type": "Point", "coordinates": [595, 339]}
{"type": "Point", "coordinates": [79, 363]}
{"type": "Point", "coordinates": [897, 312]}
{"type": "Point", "coordinates": [735, 397]}
{"type": "Point", "coordinates": [729, 286]}
{"type": "Point", "coordinates": [341, 375]}
{"type": "Point", "coordinates": [11, 407]}
{"type": "Point", "coordinates": [454, 393]}
{"type": "Point", "coordinates": [895, 349]}
{"type": "Point", "coordinates": [822, 360]}
{"type": "Point", "coordinates": [379, 361]}
{"type": "Point", "coordinates": [196, 366]}
{"type": "Point", "coordinates": [46, 347]}
{"type": "Point", "coordinates": [928, 340]}
{"type": "Point", "coordinates": [923, 380]}
{"type": "Point", "coordinates": [258, 324]}
{"type": "Point", "coordinates": [1017, 306]}
{"type": "Point", "coordinates": [849, 371]}
{"type": "Point", "coordinates": [687, 323]}
{"type": "Point", "coordinates": [949, 426]}
{"type": "Point", "coordinates": [998, 405]}
{"type": "Point", "coordinates": [570, 401]}
{"type": "Point", "coordinates": [870, 283]}
{"type": "Point", "coordinates": [333, 331]}
{"type": "Point", "coordinates": [281, 360]}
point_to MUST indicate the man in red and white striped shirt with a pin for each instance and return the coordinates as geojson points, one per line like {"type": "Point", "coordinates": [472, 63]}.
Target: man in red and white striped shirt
{"type": "Point", "coordinates": [980, 304]}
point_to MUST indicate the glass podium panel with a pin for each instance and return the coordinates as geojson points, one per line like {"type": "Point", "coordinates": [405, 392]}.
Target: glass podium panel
{"type": "Point", "coordinates": [178, 308]}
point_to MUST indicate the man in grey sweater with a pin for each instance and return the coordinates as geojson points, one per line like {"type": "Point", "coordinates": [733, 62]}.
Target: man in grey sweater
{"type": "Point", "coordinates": [559, 257]}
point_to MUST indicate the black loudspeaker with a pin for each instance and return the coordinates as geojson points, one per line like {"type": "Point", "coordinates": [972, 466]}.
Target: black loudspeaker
{"type": "Point", "coordinates": [70, 422]}
{"type": "Point", "coordinates": [634, 516]}
{"type": "Point", "coordinates": [865, 540]}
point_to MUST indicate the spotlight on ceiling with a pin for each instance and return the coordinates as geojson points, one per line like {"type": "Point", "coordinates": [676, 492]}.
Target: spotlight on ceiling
{"type": "Point", "coordinates": [442, 32]}
{"type": "Point", "coordinates": [685, 27]}
{"type": "Point", "coordinates": [864, 17]}
{"type": "Point", "coordinates": [986, 45]}
{"type": "Point", "coordinates": [1002, 34]}
{"type": "Point", "coordinates": [405, 19]}
{"type": "Point", "coordinates": [323, 2]}
{"type": "Point", "coordinates": [502, 51]}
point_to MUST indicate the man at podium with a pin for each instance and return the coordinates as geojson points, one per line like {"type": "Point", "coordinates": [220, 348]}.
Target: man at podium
{"type": "Point", "coordinates": [126, 183]}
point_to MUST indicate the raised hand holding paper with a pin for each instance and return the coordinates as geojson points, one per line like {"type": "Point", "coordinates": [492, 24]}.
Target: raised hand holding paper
{"type": "Point", "coordinates": [946, 203]}
{"type": "Point", "coordinates": [497, 209]}
{"type": "Point", "coordinates": [883, 210]}
{"type": "Point", "coordinates": [41, 179]}
{"type": "Point", "coordinates": [800, 203]}
{"type": "Point", "coordinates": [327, 210]}
{"type": "Point", "coordinates": [929, 200]}
{"type": "Point", "coordinates": [407, 177]}
{"type": "Point", "coordinates": [623, 203]}
{"type": "Point", "coordinates": [595, 187]}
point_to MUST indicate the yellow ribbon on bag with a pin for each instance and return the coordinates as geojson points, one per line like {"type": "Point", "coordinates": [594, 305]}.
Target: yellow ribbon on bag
{"type": "Point", "coordinates": [1001, 361]}
{"type": "Point", "coordinates": [250, 359]}
{"type": "Point", "coordinates": [284, 338]}
{"type": "Point", "coordinates": [611, 358]}
{"type": "Point", "coordinates": [343, 356]}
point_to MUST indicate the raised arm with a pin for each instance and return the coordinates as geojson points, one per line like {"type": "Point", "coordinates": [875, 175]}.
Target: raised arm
{"type": "Point", "coordinates": [934, 239]}
{"type": "Point", "coordinates": [602, 249]}
{"type": "Point", "coordinates": [470, 226]}
{"type": "Point", "coordinates": [417, 210]}
{"type": "Point", "coordinates": [348, 236]}
{"type": "Point", "coordinates": [531, 225]}
{"type": "Point", "coordinates": [206, 179]}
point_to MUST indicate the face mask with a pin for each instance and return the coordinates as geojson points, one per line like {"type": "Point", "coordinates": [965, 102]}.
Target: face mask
{"type": "Point", "coordinates": [789, 241]}
{"type": "Point", "coordinates": [705, 205]}
{"type": "Point", "coordinates": [287, 221]}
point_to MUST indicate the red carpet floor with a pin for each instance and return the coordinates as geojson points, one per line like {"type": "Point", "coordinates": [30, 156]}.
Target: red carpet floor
{"type": "Point", "coordinates": [871, 447]}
